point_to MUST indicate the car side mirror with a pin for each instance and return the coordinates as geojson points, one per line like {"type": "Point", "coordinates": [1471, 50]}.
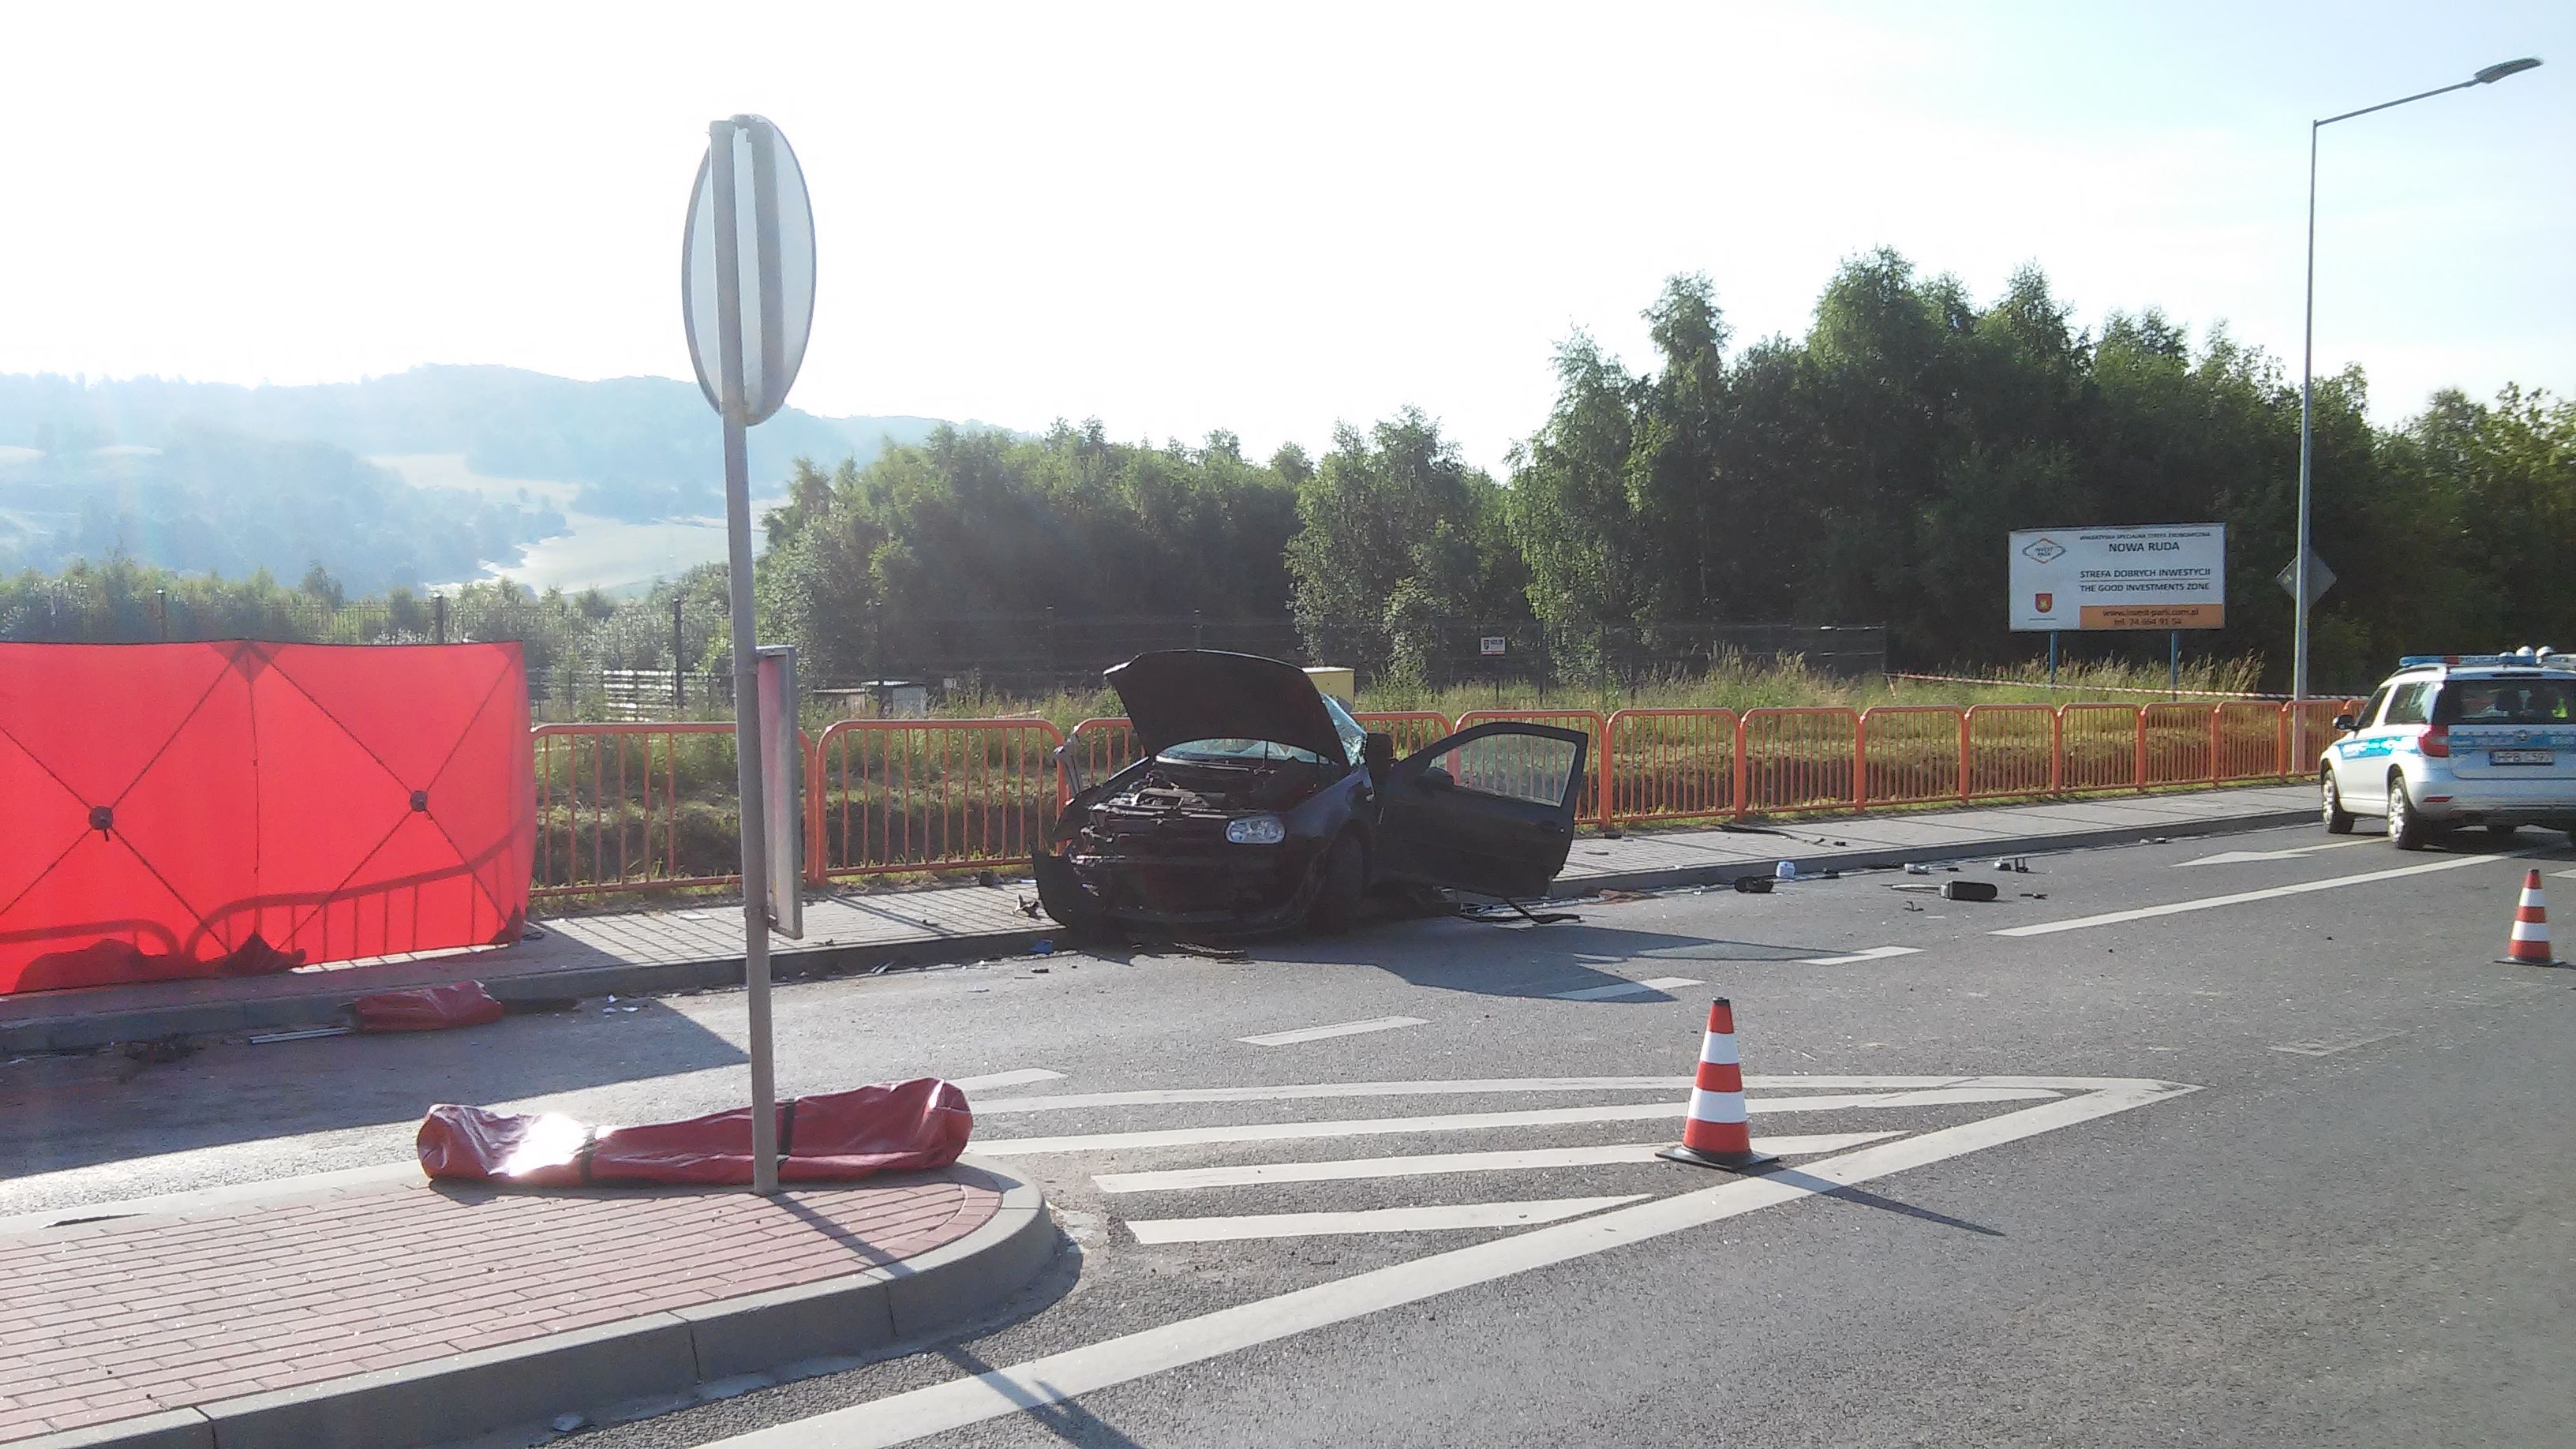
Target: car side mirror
{"type": "Point", "coordinates": [1436, 778]}
{"type": "Point", "coordinates": [2346, 724]}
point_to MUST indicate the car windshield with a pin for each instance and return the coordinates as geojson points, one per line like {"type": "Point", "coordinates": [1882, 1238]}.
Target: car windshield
{"type": "Point", "coordinates": [1221, 751]}
{"type": "Point", "coordinates": [2506, 702]}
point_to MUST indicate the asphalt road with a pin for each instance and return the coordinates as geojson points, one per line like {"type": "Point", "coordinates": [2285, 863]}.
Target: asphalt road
{"type": "Point", "coordinates": [2286, 1169]}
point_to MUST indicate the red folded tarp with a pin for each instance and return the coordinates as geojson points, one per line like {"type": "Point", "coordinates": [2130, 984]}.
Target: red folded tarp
{"type": "Point", "coordinates": [172, 810]}
{"type": "Point", "coordinates": [427, 1008]}
{"type": "Point", "coordinates": [838, 1137]}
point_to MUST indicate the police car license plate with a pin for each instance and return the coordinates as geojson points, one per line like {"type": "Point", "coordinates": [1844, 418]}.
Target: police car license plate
{"type": "Point", "coordinates": [2522, 757]}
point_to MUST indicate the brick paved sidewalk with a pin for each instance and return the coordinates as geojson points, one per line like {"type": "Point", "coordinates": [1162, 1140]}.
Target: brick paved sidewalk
{"type": "Point", "coordinates": [120, 1317]}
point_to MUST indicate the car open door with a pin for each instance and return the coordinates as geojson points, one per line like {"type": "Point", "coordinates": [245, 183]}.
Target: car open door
{"type": "Point", "coordinates": [1488, 811]}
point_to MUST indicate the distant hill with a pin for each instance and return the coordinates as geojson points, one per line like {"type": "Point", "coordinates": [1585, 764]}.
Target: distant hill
{"type": "Point", "coordinates": [209, 501]}
{"type": "Point", "coordinates": [483, 462]}
{"type": "Point", "coordinates": [639, 448]}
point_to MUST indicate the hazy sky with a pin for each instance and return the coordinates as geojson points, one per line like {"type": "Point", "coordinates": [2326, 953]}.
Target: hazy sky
{"type": "Point", "coordinates": [1201, 216]}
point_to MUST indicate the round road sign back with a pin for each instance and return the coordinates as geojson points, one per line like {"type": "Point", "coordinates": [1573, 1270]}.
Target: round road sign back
{"type": "Point", "coordinates": [773, 225]}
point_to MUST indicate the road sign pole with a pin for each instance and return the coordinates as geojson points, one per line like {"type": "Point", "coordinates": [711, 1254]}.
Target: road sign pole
{"type": "Point", "coordinates": [2052, 656]}
{"type": "Point", "coordinates": [2173, 665]}
{"type": "Point", "coordinates": [746, 656]}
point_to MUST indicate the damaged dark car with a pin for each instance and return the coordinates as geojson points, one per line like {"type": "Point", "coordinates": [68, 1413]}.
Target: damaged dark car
{"type": "Point", "coordinates": [1256, 804]}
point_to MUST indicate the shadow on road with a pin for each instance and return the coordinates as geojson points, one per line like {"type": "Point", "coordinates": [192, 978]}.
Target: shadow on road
{"type": "Point", "coordinates": [73, 1111]}
{"type": "Point", "coordinates": [1826, 1188]}
{"type": "Point", "coordinates": [1533, 961]}
{"type": "Point", "coordinates": [1066, 1419]}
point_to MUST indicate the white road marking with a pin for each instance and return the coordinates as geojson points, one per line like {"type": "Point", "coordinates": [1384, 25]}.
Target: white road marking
{"type": "Point", "coordinates": [2562, 875]}
{"type": "Point", "coordinates": [1476, 1121]}
{"type": "Point", "coordinates": [1020, 1078]}
{"type": "Point", "coordinates": [2113, 918]}
{"type": "Point", "coordinates": [2297, 852]}
{"type": "Point", "coordinates": [901, 1418]}
{"type": "Point", "coordinates": [1339, 1028]}
{"type": "Point", "coordinates": [1371, 1220]}
{"type": "Point", "coordinates": [2340, 1044]}
{"type": "Point", "coordinates": [1187, 1179]}
{"type": "Point", "coordinates": [1470, 1087]}
{"type": "Point", "coordinates": [1626, 988]}
{"type": "Point", "coordinates": [1874, 953]}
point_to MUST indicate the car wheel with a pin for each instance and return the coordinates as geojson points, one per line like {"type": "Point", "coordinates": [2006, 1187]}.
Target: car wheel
{"type": "Point", "coordinates": [2406, 829]}
{"type": "Point", "coordinates": [1342, 881]}
{"type": "Point", "coordinates": [2338, 819]}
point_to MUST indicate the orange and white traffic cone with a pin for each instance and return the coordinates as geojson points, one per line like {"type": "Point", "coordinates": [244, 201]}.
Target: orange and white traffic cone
{"type": "Point", "coordinates": [1715, 1134]}
{"type": "Point", "coordinates": [2529, 944]}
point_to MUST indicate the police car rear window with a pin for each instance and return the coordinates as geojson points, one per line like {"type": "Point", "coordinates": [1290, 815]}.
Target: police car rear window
{"type": "Point", "coordinates": [2506, 702]}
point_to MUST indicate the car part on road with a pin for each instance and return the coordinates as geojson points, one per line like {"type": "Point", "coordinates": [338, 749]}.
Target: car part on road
{"type": "Point", "coordinates": [1968, 890]}
{"type": "Point", "coordinates": [427, 1008]}
{"type": "Point", "coordinates": [1714, 1130]}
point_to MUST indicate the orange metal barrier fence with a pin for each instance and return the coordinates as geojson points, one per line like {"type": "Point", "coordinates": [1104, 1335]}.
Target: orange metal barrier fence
{"type": "Point", "coordinates": [623, 807]}
{"type": "Point", "coordinates": [912, 795]}
{"type": "Point", "coordinates": [2098, 746]}
{"type": "Point", "coordinates": [2173, 744]}
{"type": "Point", "coordinates": [1913, 753]}
{"type": "Point", "coordinates": [1412, 729]}
{"type": "Point", "coordinates": [1796, 759]}
{"type": "Point", "coordinates": [1670, 764]}
{"type": "Point", "coordinates": [642, 806]}
{"type": "Point", "coordinates": [2012, 750]}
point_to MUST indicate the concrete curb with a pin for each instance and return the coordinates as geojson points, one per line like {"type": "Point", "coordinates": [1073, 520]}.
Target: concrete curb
{"type": "Point", "coordinates": [1890, 857]}
{"type": "Point", "coordinates": [77, 1031]}
{"type": "Point", "coordinates": [658, 1356]}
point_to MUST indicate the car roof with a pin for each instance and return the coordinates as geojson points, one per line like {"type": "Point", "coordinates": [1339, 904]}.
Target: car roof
{"type": "Point", "coordinates": [2551, 670]}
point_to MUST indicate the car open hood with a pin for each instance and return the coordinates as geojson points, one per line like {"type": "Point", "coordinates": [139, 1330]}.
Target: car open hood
{"type": "Point", "coordinates": [1200, 694]}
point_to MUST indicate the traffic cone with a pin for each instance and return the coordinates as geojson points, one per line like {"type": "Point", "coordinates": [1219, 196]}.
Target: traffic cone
{"type": "Point", "coordinates": [2529, 944]}
{"type": "Point", "coordinates": [1715, 1135]}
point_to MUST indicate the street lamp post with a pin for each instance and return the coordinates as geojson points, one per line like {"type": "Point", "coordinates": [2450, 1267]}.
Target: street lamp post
{"type": "Point", "coordinates": [2308, 362]}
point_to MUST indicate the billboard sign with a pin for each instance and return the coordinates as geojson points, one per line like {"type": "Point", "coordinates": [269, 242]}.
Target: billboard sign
{"type": "Point", "coordinates": [2156, 576]}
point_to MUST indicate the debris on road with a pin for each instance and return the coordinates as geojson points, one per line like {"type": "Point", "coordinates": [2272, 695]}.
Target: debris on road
{"type": "Point", "coordinates": [1614, 895]}
{"type": "Point", "coordinates": [1968, 890]}
{"type": "Point", "coordinates": [161, 1050]}
{"type": "Point", "coordinates": [307, 1034]}
{"type": "Point", "coordinates": [427, 1008]}
{"type": "Point", "coordinates": [1916, 867]}
{"type": "Point", "coordinates": [1753, 885]}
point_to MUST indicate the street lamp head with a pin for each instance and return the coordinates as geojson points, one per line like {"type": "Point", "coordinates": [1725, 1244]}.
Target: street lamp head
{"type": "Point", "coordinates": [2491, 74]}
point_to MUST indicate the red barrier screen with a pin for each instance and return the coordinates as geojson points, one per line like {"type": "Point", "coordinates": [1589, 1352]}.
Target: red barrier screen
{"type": "Point", "coordinates": [226, 808]}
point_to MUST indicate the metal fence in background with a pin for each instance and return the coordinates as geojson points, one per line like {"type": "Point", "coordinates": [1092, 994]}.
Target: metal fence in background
{"type": "Point", "coordinates": [637, 806]}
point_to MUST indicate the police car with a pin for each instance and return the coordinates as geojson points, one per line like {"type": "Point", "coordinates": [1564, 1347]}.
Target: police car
{"type": "Point", "coordinates": [2457, 740]}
